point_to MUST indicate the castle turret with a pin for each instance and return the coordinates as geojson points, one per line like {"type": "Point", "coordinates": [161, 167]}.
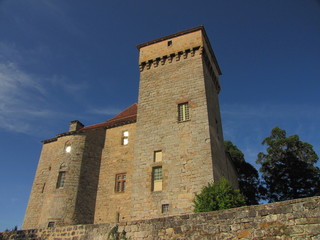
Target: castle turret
{"type": "Point", "coordinates": [66, 181]}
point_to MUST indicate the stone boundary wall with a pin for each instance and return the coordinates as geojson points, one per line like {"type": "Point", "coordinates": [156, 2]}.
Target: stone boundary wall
{"type": "Point", "coordinates": [294, 219]}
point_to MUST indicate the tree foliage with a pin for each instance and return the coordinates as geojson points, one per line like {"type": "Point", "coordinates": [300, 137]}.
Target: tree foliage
{"type": "Point", "coordinates": [248, 177]}
{"type": "Point", "coordinates": [288, 168]}
{"type": "Point", "coordinates": [218, 196]}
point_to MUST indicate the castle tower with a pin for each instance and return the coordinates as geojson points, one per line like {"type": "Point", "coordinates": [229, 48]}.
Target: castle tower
{"type": "Point", "coordinates": [150, 159]}
{"type": "Point", "coordinates": [179, 141]}
{"type": "Point", "coordinates": [66, 181]}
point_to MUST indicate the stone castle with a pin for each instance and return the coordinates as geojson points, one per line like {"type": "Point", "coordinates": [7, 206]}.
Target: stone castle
{"type": "Point", "coordinates": [149, 160]}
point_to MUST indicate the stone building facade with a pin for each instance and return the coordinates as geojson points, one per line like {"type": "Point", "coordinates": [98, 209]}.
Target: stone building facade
{"type": "Point", "coordinates": [149, 160]}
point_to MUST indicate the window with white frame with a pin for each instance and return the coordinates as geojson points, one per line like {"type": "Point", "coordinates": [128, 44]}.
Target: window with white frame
{"type": "Point", "coordinates": [183, 112]}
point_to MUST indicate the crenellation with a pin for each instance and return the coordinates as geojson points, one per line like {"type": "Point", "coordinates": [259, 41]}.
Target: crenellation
{"type": "Point", "coordinates": [169, 58]}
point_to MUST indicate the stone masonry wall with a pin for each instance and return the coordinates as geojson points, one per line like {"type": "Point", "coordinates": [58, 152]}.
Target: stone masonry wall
{"type": "Point", "coordinates": [222, 165]}
{"type": "Point", "coordinates": [74, 203]}
{"type": "Point", "coordinates": [48, 203]}
{"type": "Point", "coordinates": [294, 219]}
{"type": "Point", "coordinates": [84, 211]}
{"type": "Point", "coordinates": [185, 146]}
{"type": "Point", "coordinates": [172, 72]}
{"type": "Point", "coordinates": [116, 158]}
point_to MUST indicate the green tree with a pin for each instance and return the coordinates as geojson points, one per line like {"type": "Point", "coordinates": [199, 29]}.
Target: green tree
{"type": "Point", "coordinates": [288, 169]}
{"type": "Point", "coordinates": [248, 177]}
{"type": "Point", "coordinates": [218, 196]}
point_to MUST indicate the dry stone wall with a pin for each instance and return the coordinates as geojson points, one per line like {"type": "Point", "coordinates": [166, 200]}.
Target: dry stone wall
{"type": "Point", "coordinates": [294, 219]}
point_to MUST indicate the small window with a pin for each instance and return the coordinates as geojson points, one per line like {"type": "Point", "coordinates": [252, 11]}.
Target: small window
{"type": "Point", "coordinates": [165, 208]}
{"type": "Point", "coordinates": [169, 43]}
{"type": "Point", "coordinates": [120, 182]}
{"type": "Point", "coordinates": [125, 137]}
{"type": "Point", "coordinates": [50, 224]}
{"type": "Point", "coordinates": [68, 149]}
{"type": "Point", "coordinates": [157, 179]}
{"type": "Point", "coordinates": [157, 156]}
{"type": "Point", "coordinates": [61, 178]}
{"type": "Point", "coordinates": [183, 112]}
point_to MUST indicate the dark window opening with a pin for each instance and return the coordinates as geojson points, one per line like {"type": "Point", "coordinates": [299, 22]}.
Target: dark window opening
{"type": "Point", "coordinates": [61, 179]}
{"type": "Point", "coordinates": [50, 224]}
{"type": "Point", "coordinates": [165, 208]}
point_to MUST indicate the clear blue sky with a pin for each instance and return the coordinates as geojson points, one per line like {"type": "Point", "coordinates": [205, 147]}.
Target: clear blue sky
{"type": "Point", "coordinates": [62, 60]}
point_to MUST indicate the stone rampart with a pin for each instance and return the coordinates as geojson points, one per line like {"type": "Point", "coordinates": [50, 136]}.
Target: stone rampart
{"type": "Point", "coordinates": [294, 219]}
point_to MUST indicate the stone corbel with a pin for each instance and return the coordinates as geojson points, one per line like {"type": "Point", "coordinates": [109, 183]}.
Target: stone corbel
{"type": "Point", "coordinates": [201, 50]}
{"type": "Point", "coordinates": [193, 51]}
{"type": "Point", "coordinates": [178, 56]}
{"type": "Point", "coordinates": [185, 54]}
{"type": "Point", "coordinates": [163, 60]}
{"type": "Point", "coordinates": [156, 62]}
{"type": "Point", "coordinates": [149, 64]}
{"type": "Point", "coordinates": [171, 57]}
{"type": "Point", "coordinates": [141, 66]}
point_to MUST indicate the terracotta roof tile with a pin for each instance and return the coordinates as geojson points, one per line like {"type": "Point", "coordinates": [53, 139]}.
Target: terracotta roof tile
{"type": "Point", "coordinates": [127, 116]}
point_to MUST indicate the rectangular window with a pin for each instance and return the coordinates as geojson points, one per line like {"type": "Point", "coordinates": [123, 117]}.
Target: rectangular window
{"type": "Point", "coordinates": [157, 156]}
{"type": "Point", "coordinates": [157, 179]}
{"type": "Point", "coordinates": [183, 112]}
{"type": "Point", "coordinates": [120, 182]}
{"type": "Point", "coordinates": [50, 224]}
{"type": "Point", "coordinates": [165, 208]}
{"type": "Point", "coordinates": [125, 137]}
{"type": "Point", "coordinates": [61, 178]}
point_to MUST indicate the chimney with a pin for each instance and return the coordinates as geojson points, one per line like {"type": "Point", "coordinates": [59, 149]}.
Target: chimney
{"type": "Point", "coordinates": [75, 125]}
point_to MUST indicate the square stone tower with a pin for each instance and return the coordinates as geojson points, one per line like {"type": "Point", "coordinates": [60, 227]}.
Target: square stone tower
{"type": "Point", "coordinates": [179, 141]}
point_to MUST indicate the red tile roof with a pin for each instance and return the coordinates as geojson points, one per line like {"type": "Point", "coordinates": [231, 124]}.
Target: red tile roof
{"type": "Point", "coordinates": [127, 116]}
